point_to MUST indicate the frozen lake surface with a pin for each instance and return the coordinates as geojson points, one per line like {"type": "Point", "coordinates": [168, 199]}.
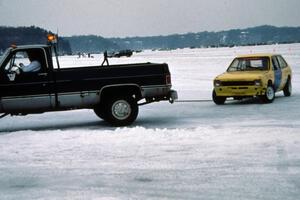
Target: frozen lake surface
{"type": "Point", "coordinates": [197, 150]}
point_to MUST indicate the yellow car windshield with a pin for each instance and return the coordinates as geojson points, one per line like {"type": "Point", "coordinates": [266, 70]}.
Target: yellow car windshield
{"type": "Point", "coordinates": [249, 64]}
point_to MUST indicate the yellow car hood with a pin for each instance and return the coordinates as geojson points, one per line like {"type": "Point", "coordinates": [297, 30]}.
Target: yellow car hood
{"type": "Point", "coordinates": [240, 76]}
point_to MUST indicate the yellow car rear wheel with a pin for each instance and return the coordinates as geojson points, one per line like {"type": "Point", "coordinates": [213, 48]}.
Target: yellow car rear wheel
{"type": "Point", "coordinates": [287, 90]}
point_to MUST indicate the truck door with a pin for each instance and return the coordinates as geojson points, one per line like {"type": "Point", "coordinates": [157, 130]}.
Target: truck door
{"type": "Point", "coordinates": [24, 91]}
{"type": "Point", "coordinates": [277, 73]}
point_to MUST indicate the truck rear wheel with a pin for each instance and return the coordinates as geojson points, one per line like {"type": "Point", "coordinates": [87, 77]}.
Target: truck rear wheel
{"type": "Point", "coordinates": [120, 110]}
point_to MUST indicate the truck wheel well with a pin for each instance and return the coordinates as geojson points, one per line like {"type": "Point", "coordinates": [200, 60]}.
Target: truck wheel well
{"type": "Point", "coordinates": [121, 90]}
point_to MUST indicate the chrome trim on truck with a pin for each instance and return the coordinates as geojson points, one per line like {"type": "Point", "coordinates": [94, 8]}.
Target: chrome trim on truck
{"type": "Point", "coordinates": [24, 104]}
{"type": "Point", "coordinates": [78, 99]}
{"type": "Point", "coordinates": [73, 100]}
{"type": "Point", "coordinates": [28, 104]}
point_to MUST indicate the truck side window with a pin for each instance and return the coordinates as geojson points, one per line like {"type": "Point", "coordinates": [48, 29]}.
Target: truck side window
{"type": "Point", "coordinates": [36, 58]}
{"type": "Point", "coordinates": [20, 57]}
{"type": "Point", "coordinates": [15, 60]}
{"type": "Point", "coordinates": [31, 60]}
{"type": "Point", "coordinates": [25, 62]}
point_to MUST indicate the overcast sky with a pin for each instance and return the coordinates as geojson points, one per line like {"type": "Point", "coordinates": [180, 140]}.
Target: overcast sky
{"type": "Point", "coordinates": [121, 18]}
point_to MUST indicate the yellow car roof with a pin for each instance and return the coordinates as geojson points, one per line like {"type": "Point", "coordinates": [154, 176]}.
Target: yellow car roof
{"type": "Point", "coordinates": [257, 55]}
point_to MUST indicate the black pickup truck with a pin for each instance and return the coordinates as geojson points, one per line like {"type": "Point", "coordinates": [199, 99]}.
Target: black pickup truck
{"type": "Point", "coordinates": [114, 92]}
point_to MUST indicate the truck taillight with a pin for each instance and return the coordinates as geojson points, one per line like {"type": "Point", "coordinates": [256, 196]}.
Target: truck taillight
{"type": "Point", "coordinates": [168, 79]}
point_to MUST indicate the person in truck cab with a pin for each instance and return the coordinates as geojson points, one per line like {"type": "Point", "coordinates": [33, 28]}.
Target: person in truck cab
{"type": "Point", "coordinates": [34, 65]}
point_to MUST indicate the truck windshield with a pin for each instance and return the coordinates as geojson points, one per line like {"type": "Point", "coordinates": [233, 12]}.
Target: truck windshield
{"type": "Point", "coordinates": [249, 64]}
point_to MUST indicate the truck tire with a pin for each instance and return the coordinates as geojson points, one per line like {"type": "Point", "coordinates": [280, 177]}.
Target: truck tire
{"type": "Point", "coordinates": [219, 100]}
{"type": "Point", "coordinates": [287, 90]}
{"type": "Point", "coordinates": [269, 96]}
{"type": "Point", "coordinates": [120, 110]}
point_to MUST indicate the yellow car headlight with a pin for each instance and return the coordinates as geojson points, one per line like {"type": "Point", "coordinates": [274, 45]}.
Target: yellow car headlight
{"type": "Point", "coordinates": [217, 83]}
{"type": "Point", "coordinates": [257, 82]}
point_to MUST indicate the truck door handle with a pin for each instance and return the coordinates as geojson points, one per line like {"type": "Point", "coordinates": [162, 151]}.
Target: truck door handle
{"type": "Point", "coordinates": [42, 74]}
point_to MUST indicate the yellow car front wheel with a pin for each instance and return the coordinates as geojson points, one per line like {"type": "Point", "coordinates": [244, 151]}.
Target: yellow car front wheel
{"type": "Point", "coordinates": [269, 95]}
{"type": "Point", "coordinates": [219, 100]}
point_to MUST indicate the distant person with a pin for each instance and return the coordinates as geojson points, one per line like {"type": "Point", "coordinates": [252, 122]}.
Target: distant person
{"type": "Point", "coordinates": [105, 58]}
{"type": "Point", "coordinates": [34, 65]}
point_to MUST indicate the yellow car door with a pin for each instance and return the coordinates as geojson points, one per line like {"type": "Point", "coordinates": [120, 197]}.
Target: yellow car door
{"type": "Point", "coordinates": [277, 74]}
{"type": "Point", "coordinates": [285, 70]}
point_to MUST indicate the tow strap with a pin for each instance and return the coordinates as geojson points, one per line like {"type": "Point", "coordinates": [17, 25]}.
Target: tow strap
{"type": "Point", "coordinates": [193, 101]}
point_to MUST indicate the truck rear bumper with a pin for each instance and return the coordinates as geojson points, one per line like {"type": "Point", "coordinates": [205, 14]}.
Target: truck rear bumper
{"type": "Point", "coordinates": [173, 96]}
{"type": "Point", "coordinates": [159, 93]}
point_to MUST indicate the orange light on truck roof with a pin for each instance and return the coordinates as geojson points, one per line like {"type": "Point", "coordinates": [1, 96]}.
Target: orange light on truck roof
{"type": "Point", "coordinates": [51, 38]}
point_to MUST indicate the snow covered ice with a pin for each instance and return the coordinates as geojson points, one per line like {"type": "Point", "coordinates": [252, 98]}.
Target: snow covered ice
{"type": "Point", "coordinates": [242, 150]}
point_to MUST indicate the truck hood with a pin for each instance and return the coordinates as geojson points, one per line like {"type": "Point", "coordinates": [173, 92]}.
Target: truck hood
{"type": "Point", "coordinates": [240, 76]}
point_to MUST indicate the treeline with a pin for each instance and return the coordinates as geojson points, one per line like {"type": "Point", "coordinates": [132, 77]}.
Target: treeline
{"type": "Point", "coordinates": [28, 36]}
{"type": "Point", "coordinates": [238, 37]}
{"type": "Point", "coordinates": [91, 44]}
{"type": "Point", "coordinates": [96, 44]}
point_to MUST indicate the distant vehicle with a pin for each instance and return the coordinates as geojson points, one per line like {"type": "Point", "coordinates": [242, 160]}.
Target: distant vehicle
{"type": "Point", "coordinates": [112, 91]}
{"type": "Point", "coordinates": [121, 53]}
{"type": "Point", "coordinates": [253, 75]}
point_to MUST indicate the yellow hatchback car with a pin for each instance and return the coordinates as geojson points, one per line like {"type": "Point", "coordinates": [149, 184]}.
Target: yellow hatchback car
{"type": "Point", "coordinates": [253, 75]}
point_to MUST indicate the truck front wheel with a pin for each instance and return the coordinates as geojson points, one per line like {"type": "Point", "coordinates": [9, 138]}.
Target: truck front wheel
{"type": "Point", "coordinates": [121, 110]}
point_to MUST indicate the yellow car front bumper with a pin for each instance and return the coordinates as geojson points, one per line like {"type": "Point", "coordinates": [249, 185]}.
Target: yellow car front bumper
{"type": "Point", "coordinates": [240, 91]}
